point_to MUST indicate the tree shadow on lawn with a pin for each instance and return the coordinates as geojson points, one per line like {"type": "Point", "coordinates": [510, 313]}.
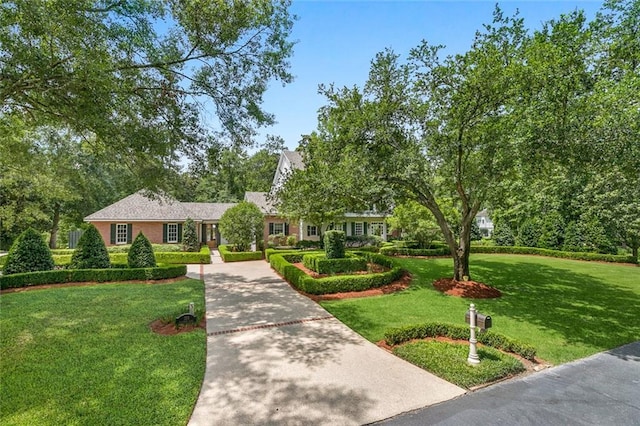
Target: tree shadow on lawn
{"type": "Point", "coordinates": [584, 309]}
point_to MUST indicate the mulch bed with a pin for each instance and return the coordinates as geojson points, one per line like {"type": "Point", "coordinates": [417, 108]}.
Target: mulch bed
{"type": "Point", "coordinates": [170, 329]}
{"type": "Point", "coordinates": [470, 289]}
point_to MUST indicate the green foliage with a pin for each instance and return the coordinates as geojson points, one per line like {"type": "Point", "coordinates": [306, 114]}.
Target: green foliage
{"type": "Point", "coordinates": [182, 258]}
{"type": "Point", "coordinates": [291, 240]}
{"type": "Point", "coordinates": [113, 274]}
{"type": "Point", "coordinates": [401, 335]}
{"type": "Point", "coordinates": [395, 251]}
{"type": "Point", "coordinates": [552, 231]}
{"type": "Point", "coordinates": [449, 361]}
{"type": "Point", "coordinates": [572, 238]}
{"type": "Point", "coordinates": [476, 234]}
{"type": "Point", "coordinates": [28, 253]}
{"type": "Point", "coordinates": [529, 233]}
{"type": "Point", "coordinates": [242, 224]}
{"type": "Point", "coordinates": [502, 234]}
{"type": "Point", "coordinates": [190, 240]}
{"type": "Point", "coordinates": [335, 284]}
{"type": "Point", "coordinates": [237, 256]}
{"type": "Point", "coordinates": [91, 252]}
{"type": "Point", "coordinates": [231, 59]}
{"type": "Point", "coordinates": [415, 222]}
{"type": "Point", "coordinates": [334, 244]}
{"type": "Point", "coordinates": [141, 253]}
{"type": "Point", "coordinates": [598, 257]}
{"type": "Point", "coordinates": [358, 241]}
{"type": "Point", "coordinates": [322, 265]}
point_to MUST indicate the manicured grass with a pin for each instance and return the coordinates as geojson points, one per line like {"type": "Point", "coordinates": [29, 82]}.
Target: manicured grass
{"type": "Point", "coordinates": [449, 361]}
{"type": "Point", "coordinates": [566, 309]}
{"type": "Point", "coordinates": [86, 355]}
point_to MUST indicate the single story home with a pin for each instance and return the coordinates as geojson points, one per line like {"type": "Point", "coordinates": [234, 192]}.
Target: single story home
{"type": "Point", "coordinates": [161, 218]}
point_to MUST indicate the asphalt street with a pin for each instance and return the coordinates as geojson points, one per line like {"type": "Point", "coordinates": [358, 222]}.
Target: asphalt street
{"type": "Point", "coordinates": [603, 389]}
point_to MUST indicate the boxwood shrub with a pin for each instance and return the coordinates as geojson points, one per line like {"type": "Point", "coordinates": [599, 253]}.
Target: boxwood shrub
{"type": "Point", "coordinates": [334, 244]}
{"type": "Point", "coordinates": [554, 253]}
{"type": "Point", "coordinates": [239, 256]}
{"type": "Point", "coordinates": [283, 263]}
{"type": "Point", "coordinates": [114, 274]}
{"type": "Point", "coordinates": [182, 257]}
{"type": "Point", "coordinates": [320, 264]}
{"type": "Point", "coordinates": [400, 335]}
{"type": "Point", "coordinates": [403, 251]}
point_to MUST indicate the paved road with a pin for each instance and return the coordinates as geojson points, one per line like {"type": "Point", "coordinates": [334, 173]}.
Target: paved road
{"type": "Point", "coordinates": [603, 389]}
{"type": "Point", "coordinates": [276, 357]}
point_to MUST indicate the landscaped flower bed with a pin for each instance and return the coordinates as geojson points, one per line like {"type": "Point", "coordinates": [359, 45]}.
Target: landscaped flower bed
{"type": "Point", "coordinates": [284, 264]}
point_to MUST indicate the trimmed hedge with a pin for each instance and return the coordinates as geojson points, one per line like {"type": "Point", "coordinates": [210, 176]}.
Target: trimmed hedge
{"type": "Point", "coordinates": [400, 335]}
{"type": "Point", "coordinates": [554, 253]}
{"type": "Point", "coordinates": [395, 251]}
{"type": "Point", "coordinates": [240, 256]}
{"type": "Point", "coordinates": [322, 265]}
{"type": "Point", "coordinates": [183, 257]}
{"type": "Point", "coordinates": [268, 252]}
{"type": "Point", "coordinates": [283, 263]}
{"type": "Point", "coordinates": [115, 274]}
{"type": "Point", "coordinates": [173, 258]}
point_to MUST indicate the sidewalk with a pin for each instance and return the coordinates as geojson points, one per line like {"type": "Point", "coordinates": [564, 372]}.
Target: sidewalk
{"type": "Point", "coordinates": [276, 357]}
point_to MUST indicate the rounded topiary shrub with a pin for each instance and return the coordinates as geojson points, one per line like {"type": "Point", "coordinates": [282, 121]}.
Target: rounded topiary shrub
{"type": "Point", "coordinates": [29, 253]}
{"type": "Point", "coordinates": [334, 244]}
{"type": "Point", "coordinates": [190, 237]}
{"type": "Point", "coordinates": [91, 253]}
{"type": "Point", "coordinates": [141, 253]}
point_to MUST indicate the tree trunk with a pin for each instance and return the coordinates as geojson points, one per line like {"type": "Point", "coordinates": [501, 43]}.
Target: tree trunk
{"type": "Point", "coordinates": [53, 240]}
{"type": "Point", "coordinates": [461, 256]}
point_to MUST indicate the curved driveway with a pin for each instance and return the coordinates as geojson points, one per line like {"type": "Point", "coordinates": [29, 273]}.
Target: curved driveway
{"type": "Point", "coordinates": [276, 357]}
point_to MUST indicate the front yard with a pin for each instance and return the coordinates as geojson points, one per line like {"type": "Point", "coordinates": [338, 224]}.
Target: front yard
{"type": "Point", "coordinates": [86, 355]}
{"type": "Point", "coordinates": [566, 309]}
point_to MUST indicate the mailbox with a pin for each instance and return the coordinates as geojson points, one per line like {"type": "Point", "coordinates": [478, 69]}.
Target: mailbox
{"type": "Point", "coordinates": [483, 322]}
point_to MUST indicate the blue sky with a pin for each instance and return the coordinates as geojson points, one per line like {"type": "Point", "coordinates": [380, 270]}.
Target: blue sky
{"type": "Point", "coordinates": [336, 41]}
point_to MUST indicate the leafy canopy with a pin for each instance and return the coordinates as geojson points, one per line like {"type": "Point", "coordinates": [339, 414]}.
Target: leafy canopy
{"type": "Point", "coordinates": [242, 224]}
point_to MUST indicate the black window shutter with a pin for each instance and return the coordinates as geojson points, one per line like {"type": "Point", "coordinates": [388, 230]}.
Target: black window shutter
{"type": "Point", "coordinates": [179, 232]}
{"type": "Point", "coordinates": [164, 232]}
{"type": "Point", "coordinates": [353, 228]}
{"type": "Point", "coordinates": [203, 232]}
{"type": "Point", "coordinates": [112, 238]}
{"type": "Point", "coordinates": [364, 227]}
{"type": "Point", "coordinates": [286, 229]}
{"type": "Point", "coordinates": [129, 232]}
{"type": "Point", "coordinates": [270, 228]}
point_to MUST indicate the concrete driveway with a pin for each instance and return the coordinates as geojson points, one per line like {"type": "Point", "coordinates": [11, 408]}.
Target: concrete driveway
{"type": "Point", "coordinates": [276, 357]}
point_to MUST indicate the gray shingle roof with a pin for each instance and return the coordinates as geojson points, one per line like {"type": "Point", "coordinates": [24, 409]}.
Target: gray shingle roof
{"type": "Point", "coordinates": [260, 200]}
{"type": "Point", "coordinates": [207, 211]}
{"type": "Point", "coordinates": [139, 207]}
{"type": "Point", "coordinates": [295, 159]}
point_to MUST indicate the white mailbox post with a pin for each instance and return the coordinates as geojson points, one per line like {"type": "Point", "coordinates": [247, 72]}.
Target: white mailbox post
{"type": "Point", "coordinates": [473, 352]}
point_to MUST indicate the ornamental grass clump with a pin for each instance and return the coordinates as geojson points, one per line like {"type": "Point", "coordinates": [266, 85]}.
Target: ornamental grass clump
{"type": "Point", "coordinates": [91, 252]}
{"type": "Point", "coordinates": [141, 253]}
{"type": "Point", "coordinates": [29, 253]}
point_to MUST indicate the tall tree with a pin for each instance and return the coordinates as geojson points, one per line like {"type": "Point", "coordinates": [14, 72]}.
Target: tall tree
{"type": "Point", "coordinates": [129, 77]}
{"type": "Point", "coordinates": [430, 130]}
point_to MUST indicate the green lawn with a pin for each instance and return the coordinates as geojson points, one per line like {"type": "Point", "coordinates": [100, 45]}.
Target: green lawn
{"type": "Point", "coordinates": [86, 355]}
{"type": "Point", "coordinates": [566, 309]}
{"type": "Point", "coordinates": [449, 361]}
